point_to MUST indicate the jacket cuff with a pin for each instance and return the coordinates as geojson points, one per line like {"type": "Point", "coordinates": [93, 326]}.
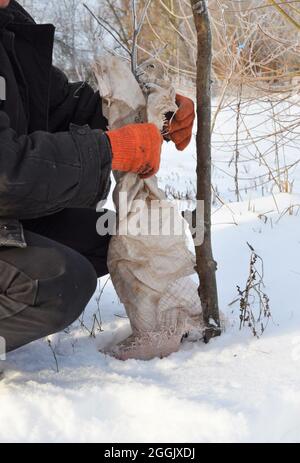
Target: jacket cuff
{"type": "Point", "coordinates": [105, 151]}
{"type": "Point", "coordinates": [96, 159]}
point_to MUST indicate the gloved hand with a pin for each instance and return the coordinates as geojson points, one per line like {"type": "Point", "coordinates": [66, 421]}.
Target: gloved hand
{"type": "Point", "coordinates": [136, 148]}
{"type": "Point", "coordinates": [181, 126]}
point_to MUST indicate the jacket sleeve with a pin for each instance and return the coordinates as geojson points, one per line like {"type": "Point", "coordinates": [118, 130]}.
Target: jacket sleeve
{"type": "Point", "coordinates": [75, 103]}
{"type": "Point", "coordinates": [43, 172]}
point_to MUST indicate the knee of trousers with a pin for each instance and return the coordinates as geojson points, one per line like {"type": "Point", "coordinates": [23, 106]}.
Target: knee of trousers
{"type": "Point", "coordinates": [53, 301]}
{"type": "Point", "coordinates": [65, 296]}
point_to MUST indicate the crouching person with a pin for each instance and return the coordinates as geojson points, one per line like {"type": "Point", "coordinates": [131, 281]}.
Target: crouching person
{"type": "Point", "coordinates": [55, 163]}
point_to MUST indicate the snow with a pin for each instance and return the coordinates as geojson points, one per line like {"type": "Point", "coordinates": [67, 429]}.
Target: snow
{"type": "Point", "coordinates": [235, 389]}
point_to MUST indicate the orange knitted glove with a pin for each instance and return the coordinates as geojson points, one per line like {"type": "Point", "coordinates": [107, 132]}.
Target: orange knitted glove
{"type": "Point", "coordinates": [136, 148]}
{"type": "Point", "coordinates": [180, 130]}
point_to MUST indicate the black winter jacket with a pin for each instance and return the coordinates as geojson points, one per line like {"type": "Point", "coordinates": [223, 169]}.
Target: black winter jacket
{"type": "Point", "coordinates": [51, 155]}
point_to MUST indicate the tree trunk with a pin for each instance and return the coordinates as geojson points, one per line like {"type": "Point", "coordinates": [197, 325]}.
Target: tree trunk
{"type": "Point", "coordinates": [206, 266]}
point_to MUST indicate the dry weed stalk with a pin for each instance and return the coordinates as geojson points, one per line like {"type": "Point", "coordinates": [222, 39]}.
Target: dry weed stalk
{"type": "Point", "coordinates": [254, 303]}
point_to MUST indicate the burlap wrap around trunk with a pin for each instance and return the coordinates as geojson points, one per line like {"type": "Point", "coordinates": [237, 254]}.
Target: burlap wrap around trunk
{"type": "Point", "coordinates": [149, 262]}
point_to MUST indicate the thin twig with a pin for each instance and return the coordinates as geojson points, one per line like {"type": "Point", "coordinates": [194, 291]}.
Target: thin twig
{"type": "Point", "coordinates": [108, 29]}
{"type": "Point", "coordinates": [54, 354]}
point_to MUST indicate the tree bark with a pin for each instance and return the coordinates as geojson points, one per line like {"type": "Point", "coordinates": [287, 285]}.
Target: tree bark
{"type": "Point", "coordinates": [206, 265]}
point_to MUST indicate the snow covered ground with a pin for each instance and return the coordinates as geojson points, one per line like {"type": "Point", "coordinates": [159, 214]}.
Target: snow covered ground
{"type": "Point", "coordinates": [235, 389]}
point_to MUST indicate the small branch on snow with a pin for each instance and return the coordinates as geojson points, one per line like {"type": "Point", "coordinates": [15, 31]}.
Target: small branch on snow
{"type": "Point", "coordinates": [54, 354]}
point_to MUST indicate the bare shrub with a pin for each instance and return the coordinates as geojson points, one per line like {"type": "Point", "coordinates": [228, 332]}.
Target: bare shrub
{"type": "Point", "coordinates": [255, 311]}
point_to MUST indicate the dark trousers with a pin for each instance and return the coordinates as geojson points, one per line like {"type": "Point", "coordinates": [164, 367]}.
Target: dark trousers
{"type": "Point", "coordinates": [46, 286]}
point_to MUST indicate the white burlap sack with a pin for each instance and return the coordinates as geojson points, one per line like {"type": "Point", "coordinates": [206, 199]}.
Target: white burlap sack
{"type": "Point", "coordinates": [150, 272]}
